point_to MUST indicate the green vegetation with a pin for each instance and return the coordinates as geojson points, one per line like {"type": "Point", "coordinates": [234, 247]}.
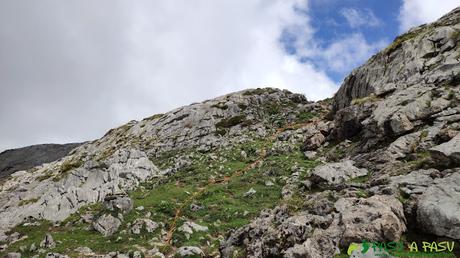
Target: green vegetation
{"type": "Point", "coordinates": [361, 179]}
{"type": "Point", "coordinates": [423, 134]}
{"type": "Point", "coordinates": [259, 91]}
{"type": "Point", "coordinates": [44, 176]}
{"type": "Point", "coordinates": [68, 165]}
{"type": "Point", "coordinates": [451, 95]}
{"type": "Point", "coordinates": [367, 99]}
{"type": "Point", "coordinates": [405, 37]}
{"type": "Point", "coordinates": [232, 121]}
{"type": "Point", "coordinates": [156, 116]}
{"type": "Point", "coordinates": [220, 106]}
{"type": "Point", "coordinates": [219, 185]}
{"type": "Point", "coordinates": [305, 116]}
{"type": "Point", "coordinates": [361, 193]}
{"type": "Point", "coordinates": [28, 201]}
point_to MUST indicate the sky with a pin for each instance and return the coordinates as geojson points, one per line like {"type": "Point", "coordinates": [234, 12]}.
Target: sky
{"type": "Point", "coordinates": [71, 70]}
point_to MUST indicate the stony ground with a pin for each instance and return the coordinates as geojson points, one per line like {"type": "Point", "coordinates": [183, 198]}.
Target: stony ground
{"type": "Point", "coordinates": [263, 172]}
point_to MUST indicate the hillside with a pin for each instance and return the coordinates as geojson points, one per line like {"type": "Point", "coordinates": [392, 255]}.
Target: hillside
{"type": "Point", "coordinates": [32, 156]}
{"type": "Point", "coordinates": [263, 172]}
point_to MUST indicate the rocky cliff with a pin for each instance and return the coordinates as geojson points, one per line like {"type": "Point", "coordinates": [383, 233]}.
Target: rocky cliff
{"type": "Point", "coordinates": [263, 172]}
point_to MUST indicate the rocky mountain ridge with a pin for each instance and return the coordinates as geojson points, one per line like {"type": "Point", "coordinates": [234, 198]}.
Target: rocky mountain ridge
{"type": "Point", "coordinates": [32, 156]}
{"type": "Point", "coordinates": [262, 172]}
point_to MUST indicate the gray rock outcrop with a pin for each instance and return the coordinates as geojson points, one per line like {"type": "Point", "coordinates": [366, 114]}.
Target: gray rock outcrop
{"type": "Point", "coordinates": [438, 208]}
{"type": "Point", "coordinates": [336, 173]}
{"type": "Point", "coordinates": [107, 225]}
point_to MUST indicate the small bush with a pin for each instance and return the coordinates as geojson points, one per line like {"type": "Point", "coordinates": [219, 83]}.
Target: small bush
{"type": "Point", "coordinates": [227, 123]}
{"type": "Point", "coordinates": [29, 201]}
{"type": "Point", "coordinates": [70, 164]}
{"type": "Point", "coordinates": [361, 101]}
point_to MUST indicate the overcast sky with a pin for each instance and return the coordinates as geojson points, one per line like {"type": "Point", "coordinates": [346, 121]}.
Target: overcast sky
{"type": "Point", "coordinates": [71, 70]}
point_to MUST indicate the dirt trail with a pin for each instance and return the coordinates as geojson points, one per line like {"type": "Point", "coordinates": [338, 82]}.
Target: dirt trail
{"type": "Point", "coordinates": [262, 156]}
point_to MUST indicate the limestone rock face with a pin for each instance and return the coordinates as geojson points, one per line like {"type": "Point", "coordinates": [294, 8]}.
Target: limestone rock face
{"type": "Point", "coordinates": [378, 162]}
{"type": "Point", "coordinates": [438, 209]}
{"type": "Point", "coordinates": [55, 200]}
{"type": "Point", "coordinates": [377, 218]}
{"type": "Point", "coordinates": [401, 86]}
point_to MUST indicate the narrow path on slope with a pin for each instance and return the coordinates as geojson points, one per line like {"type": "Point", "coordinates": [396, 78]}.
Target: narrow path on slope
{"type": "Point", "coordinates": [226, 179]}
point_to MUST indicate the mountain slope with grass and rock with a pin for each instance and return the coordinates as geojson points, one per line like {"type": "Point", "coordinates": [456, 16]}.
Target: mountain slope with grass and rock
{"type": "Point", "coordinates": [262, 172]}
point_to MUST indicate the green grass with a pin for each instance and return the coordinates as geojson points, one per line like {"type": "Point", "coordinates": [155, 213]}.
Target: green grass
{"type": "Point", "coordinates": [367, 99]}
{"type": "Point", "coordinates": [405, 37]}
{"type": "Point", "coordinates": [259, 91]}
{"type": "Point", "coordinates": [225, 206]}
{"type": "Point", "coordinates": [361, 179]}
{"type": "Point", "coordinates": [305, 116]}
{"type": "Point", "coordinates": [70, 164]}
{"type": "Point", "coordinates": [28, 201]}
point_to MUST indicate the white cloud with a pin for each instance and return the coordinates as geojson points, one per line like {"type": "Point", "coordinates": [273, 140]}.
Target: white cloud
{"type": "Point", "coordinates": [347, 53]}
{"type": "Point", "coordinates": [340, 56]}
{"type": "Point", "coordinates": [360, 17]}
{"type": "Point", "coordinates": [70, 71]}
{"type": "Point", "coordinates": [417, 12]}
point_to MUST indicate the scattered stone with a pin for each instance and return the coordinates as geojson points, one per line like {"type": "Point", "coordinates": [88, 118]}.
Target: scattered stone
{"type": "Point", "coordinates": [143, 224]}
{"type": "Point", "coordinates": [155, 253]}
{"type": "Point", "coordinates": [244, 156]}
{"type": "Point", "coordinates": [310, 154]}
{"type": "Point", "coordinates": [195, 207]}
{"type": "Point", "coordinates": [140, 208]}
{"type": "Point", "coordinates": [121, 203]}
{"type": "Point", "coordinates": [189, 227]}
{"type": "Point", "coordinates": [314, 142]}
{"type": "Point", "coordinates": [107, 225]}
{"type": "Point", "coordinates": [33, 248]}
{"type": "Point", "coordinates": [190, 251]}
{"type": "Point", "coordinates": [84, 250]}
{"type": "Point", "coordinates": [12, 255]}
{"type": "Point", "coordinates": [269, 183]}
{"type": "Point", "coordinates": [15, 237]}
{"type": "Point", "coordinates": [137, 254]}
{"type": "Point", "coordinates": [87, 218]}
{"type": "Point", "coordinates": [250, 193]}
{"type": "Point", "coordinates": [48, 242]}
{"type": "Point", "coordinates": [56, 255]}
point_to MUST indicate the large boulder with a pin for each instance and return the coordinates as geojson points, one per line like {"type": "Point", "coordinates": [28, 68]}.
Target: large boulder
{"type": "Point", "coordinates": [377, 218]}
{"type": "Point", "coordinates": [143, 224]}
{"type": "Point", "coordinates": [438, 208]}
{"type": "Point", "coordinates": [448, 152]}
{"type": "Point", "coordinates": [107, 225]}
{"type": "Point", "coordinates": [48, 242]}
{"type": "Point", "coordinates": [194, 251]}
{"type": "Point", "coordinates": [336, 173]}
{"type": "Point", "coordinates": [121, 203]}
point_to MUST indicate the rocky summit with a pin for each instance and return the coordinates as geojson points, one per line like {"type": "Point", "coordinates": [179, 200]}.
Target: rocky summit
{"type": "Point", "coordinates": [263, 172]}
